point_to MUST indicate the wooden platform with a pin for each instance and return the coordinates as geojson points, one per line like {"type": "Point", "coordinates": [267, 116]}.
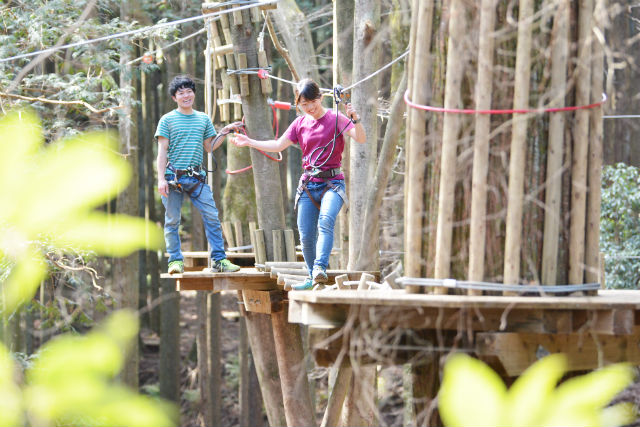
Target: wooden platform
{"type": "Point", "coordinates": [513, 330]}
{"type": "Point", "coordinates": [247, 278]}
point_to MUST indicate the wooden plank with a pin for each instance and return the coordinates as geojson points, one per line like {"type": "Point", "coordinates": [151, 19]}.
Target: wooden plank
{"type": "Point", "coordinates": [237, 17]}
{"type": "Point", "coordinates": [244, 78]}
{"type": "Point", "coordinates": [585, 351]}
{"type": "Point", "coordinates": [606, 299]}
{"type": "Point", "coordinates": [259, 246]}
{"type": "Point", "coordinates": [265, 84]}
{"type": "Point", "coordinates": [227, 230]}
{"type": "Point", "coordinates": [290, 245]}
{"type": "Point", "coordinates": [266, 302]}
{"type": "Point", "coordinates": [285, 264]}
{"type": "Point", "coordinates": [237, 226]}
{"type": "Point", "coordinates": [194, 285]}
{"type": "Point", "coordinates": [252, 229]}
{"type": "Point", "coordinates": [278, 245]}
{"type": "Point", "coordinates": [325, 315]}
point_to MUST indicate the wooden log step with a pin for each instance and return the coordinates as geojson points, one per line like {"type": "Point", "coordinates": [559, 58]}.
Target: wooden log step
{"type": "Point", "coordinates": [284, 264]}
{"type": "Point", "coordinates": [283, 277]}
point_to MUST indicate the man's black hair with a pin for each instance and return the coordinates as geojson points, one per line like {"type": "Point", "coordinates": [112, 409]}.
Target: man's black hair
{"type": "Point", "coordinates": [181, 82]}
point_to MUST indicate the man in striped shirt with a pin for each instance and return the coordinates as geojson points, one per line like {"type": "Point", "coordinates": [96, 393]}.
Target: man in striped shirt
{"type": "Point", "coordinates": [182, 135]}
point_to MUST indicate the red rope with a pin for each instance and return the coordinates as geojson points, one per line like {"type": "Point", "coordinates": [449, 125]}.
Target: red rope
{"type": "Point", "coordinates": [514, 111]}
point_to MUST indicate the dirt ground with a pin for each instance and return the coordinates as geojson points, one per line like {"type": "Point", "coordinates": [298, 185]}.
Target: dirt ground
{"type": "Point", "coordinates": [390, 388]}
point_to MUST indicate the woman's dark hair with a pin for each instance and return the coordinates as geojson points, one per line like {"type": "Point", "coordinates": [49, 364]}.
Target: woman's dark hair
{"type": "Point", "coordinates": [307, 89]}
{"type": "Point", "coordinates": [181, 82]}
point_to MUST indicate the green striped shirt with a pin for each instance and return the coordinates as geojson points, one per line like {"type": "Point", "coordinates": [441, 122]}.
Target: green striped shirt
{"type": "Point", "coordinates": [186, 134]}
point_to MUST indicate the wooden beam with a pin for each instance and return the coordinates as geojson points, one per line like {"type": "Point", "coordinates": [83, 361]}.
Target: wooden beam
{"type": "Point", "coordinates": [263, 301]}
{"type": "Point", "coordinates": [584, 351]}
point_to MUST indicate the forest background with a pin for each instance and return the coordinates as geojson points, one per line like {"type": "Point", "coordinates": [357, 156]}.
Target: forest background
{"type": "Point", "coordinates": [111, 86]}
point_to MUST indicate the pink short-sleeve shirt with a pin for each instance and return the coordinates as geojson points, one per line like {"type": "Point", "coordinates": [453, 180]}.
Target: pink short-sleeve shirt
{"type": "Point", "coordinates": [313, 134]}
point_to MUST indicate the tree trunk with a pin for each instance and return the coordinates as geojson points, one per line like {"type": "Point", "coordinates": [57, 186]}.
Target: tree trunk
{"type": "Point", "coordinates": [559, 56]}
{"type": "Point", "coordinates": [420, 92]}
{"type": "Point", "coordinates": [366, 50]}
{"type": "Point", "coordinates": [580, 145]}
{"type": "Point", "coordinates": [484, 89]}
{"type": "Point", "coordinates": [518, 146]}
{"type": "Point", "coordinates": [455, 67]}
{"type": "Point", "coordinates": [125, 269]}
{"type": "Point", "coordinates": [592, 254]}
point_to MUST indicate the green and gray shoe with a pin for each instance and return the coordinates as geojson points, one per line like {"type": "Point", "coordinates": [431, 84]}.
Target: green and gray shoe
{"type": "Point", "coordinates": [176, 267]}
{"type": "Point", "coordinates": [224, 266]}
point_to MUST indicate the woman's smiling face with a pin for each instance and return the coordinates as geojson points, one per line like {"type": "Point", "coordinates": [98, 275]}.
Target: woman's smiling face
{"type": "Point", "coordinates": [313, 108]}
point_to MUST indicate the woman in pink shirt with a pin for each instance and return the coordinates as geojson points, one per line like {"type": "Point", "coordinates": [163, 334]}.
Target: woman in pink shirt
{"type": "Point", "coordinates": [321, 189]}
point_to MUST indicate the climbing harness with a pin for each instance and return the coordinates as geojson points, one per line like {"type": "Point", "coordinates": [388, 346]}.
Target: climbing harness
{"type": "Point", "coordinates": [196, 172]}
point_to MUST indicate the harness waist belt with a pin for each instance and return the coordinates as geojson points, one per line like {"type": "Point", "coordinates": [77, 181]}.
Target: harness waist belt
{"type": "Point", "coordinates": [329, 173]}
{"type": "Point", "coordinates": [189, 171]}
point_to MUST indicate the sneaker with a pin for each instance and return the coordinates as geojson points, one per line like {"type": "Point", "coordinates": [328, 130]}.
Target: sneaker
{"type": "Point", "coordinates": [304, 286]}
{"type": "Point", "coordinates": [224, 266]}
{"type": "Point", "coordinates": [176, 267]}
{"type": "Point", "coordinates": [319, 275]}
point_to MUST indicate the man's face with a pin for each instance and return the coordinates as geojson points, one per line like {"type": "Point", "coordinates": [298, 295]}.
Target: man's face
{"type": "Point", "coordinates": [184, 97]}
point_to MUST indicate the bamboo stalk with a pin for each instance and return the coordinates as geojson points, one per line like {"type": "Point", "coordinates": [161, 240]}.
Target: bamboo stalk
{"type": "Point", "coordinates": [478, 228]}
{"type": "Point", "coordinates": [581, 146]}
{"type": "Point", "coordinates": [553, 193]}
{"type": "Point", "coordinates": [419, 71]}
{"type": "Point", "coordinates": [592, 255]}
{"type": "Point", "coordinates": [518, 146]}
{"type": "Point", "coordinates": [451, 129]}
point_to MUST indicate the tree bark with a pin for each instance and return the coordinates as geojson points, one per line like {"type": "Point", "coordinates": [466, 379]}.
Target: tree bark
{"type": "Point", "coordinates": [559, 56]}
{"type": "Point", "coordinates": [420, 91]}
{"type": "Point", "coordinates": [451, 129]}
{"type": "Point", "coordinates": [484, 89]}
{"type": "Point", "coordinates": [366, 49]}
{"type": "Point", "coordinates": [518, 146]}
{"type": "Point", "coordinates": [580, 145]}
{"type": "Point", "coordinates": [126, 286]}
{"type": "Point", "coordinates": [592, 254]}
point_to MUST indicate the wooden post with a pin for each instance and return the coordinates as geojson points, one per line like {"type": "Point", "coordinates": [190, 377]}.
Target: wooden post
{"type": "Point", "coordinates": [419, 89]}
{"type": "Point", "coordinates": [278, 245]}
{"type": "Point", "coordinates": [553, 193]}
{"type": "Point", "coordinates": [451, 129]}
{"type": "Point", "coordinates": [293, 373]}
{"type": "Point", "coordinates": [580, 145]}
{"type": "Point", "coordinates": [237, 226]}
{"type": "Point", "coordinates": [339, 383]}
{"type": "Point", "coordinates": [484, 87]}
{"type": "Point", "coordinates": [515, 199]}
{"type": "Point", "coordinates": [594, 198]}
{"type": "Point", "coordinates": [260, 333]}
{"type": "Point", "coordinates": [215, 356]}
{"type": "Point", "coordinates": [290, 246]}
{"type": "Point", "coordinates": [259, 247]}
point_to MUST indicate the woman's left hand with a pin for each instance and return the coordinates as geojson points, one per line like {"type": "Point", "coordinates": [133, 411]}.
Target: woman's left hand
{"type": "Point", "coordinates": [351, 112]}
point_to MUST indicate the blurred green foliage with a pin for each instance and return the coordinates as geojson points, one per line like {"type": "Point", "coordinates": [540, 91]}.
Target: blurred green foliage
{"type": "Point", "coordinates": [620, 225]}
{"type": "Point", "coordinates": [472, 394]}
{"type": "Point", "coordinates": [72, 381]}
{"type": "Point", "coordinates": [50, 195]}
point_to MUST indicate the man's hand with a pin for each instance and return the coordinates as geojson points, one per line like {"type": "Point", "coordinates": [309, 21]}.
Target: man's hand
{"type": "Point", "coordinates": [163, 187]}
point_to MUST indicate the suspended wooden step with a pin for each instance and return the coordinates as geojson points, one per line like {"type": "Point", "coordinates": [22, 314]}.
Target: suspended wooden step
{"type": "Point", "coordinates": [246, 278]}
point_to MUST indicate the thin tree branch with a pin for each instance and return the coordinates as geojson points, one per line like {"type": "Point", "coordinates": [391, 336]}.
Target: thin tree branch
{"type": "Point", "coordinates": [55, 101]}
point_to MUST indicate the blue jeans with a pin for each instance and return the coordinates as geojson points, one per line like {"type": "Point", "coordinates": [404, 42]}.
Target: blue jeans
{"type": "Point", "coordinates": [316, 226]}
{"type": "Point", "coordinates": [207, 207]}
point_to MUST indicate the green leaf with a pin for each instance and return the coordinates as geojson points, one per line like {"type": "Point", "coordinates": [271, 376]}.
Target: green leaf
{"type": "Point", "coordinates": [580, 400]}
{"type": "Point", "coordinates": [10, 395]}
{"type": "Point", "coordinates": [472, 394]}
{"type": "Point", "coordinates": [530, 394]}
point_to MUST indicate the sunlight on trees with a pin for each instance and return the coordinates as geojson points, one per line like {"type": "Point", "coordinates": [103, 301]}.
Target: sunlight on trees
{"type": "Point", "coordinates": [472, 394]}
{"type": "Point", "coordinates": [54, 194]}
{"type": "Point", "coordinates": [51, 194]}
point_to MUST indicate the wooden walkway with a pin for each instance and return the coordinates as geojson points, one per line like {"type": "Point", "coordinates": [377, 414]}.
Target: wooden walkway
{"type": "Point", "coordinates": [514, 330]}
